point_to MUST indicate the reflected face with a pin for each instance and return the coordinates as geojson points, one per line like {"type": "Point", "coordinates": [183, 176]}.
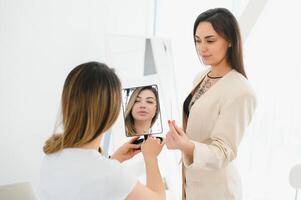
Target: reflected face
{"type": "Point", "coordinates": [145, 106]}
{"type": "Point", "coordinates": [210, 46]}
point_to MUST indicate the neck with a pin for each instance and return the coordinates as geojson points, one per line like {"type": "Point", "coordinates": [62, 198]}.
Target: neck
{"type": "Point", "coordinates": [94, 144]}
{"type": "Point", "coordinates": [142, 127]}
{"type": "Point", "coordinates": [220, 69]}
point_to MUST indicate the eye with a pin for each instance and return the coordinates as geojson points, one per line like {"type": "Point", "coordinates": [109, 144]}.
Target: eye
{"type": "Point", "coordinates": [197, 41]}
{"type": "Point", "coordinates": [150, 102]}
{"type": "Point", "coordinates": [210, 41]}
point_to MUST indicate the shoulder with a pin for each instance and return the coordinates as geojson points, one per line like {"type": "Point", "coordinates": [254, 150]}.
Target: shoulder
{"type": "Point", "coordinates": [236, 85]}
{"type": "Point", "coordinates": [85, 160]}
{"type": "Point", "coordinates": [238, 91]}
{"type": "Point", "coordinates": [94, 173]}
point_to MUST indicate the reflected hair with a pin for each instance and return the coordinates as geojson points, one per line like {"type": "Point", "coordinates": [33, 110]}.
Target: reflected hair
{"type": "Point", "coordinates": [129, 120]}
{"type": "Point", "coordinates": [91, 101]}
{"type": "Point", "coordinates": [226, 25]}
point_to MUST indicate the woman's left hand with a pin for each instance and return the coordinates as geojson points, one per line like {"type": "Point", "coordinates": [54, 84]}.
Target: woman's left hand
{"type": "Point", "coordinates": [127, 151]}
{"type": "Point", "coordinates": [176, 138]}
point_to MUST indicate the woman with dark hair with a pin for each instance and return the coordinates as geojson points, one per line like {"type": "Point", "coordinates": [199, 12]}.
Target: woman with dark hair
{"type": "Point", "coordinates": [142, 111]}
{"type": "Point", "coordinates": [73, 167]}
{"type": "Point", "coordinates": [216, 113]}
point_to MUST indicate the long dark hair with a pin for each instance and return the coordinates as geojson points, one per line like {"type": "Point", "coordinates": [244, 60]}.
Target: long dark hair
{"type": "Point", "coordinates": [225, 24]}
{"type": "Point", "coordinates": [91, 103]}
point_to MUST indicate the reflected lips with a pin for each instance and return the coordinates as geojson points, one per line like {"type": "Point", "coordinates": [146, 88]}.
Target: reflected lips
{"type": "Point", "coordinates": [142, 112]}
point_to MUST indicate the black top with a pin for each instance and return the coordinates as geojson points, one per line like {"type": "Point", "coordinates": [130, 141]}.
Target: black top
{"type": "Point", "coordinates": [187, 101]}
{"type": "Point", "coordinates": [186, 105]}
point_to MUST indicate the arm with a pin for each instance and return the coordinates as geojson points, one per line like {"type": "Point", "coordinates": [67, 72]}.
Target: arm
{"type": "Point", "coordinates": [140, 191]}
{"type": "Point", "coordinates": [153, 176]}
{"type": "Point", "coordinates": [154, 188]}
{"type": "Point", "coordinates": [234, 118]}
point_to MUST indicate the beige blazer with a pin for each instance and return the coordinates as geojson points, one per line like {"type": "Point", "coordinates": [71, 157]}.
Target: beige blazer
{"type": "Point", "coordinates": [216, 124]}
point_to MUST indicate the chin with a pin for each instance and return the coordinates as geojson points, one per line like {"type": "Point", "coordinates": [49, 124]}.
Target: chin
{"type": "Point", "coordinates": [142, 119]}
{"type": "Point", "coordinates": [206, 62]}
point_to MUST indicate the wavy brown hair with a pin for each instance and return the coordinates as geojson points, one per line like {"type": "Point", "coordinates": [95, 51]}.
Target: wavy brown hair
{"type": "Point", "coordinates": [91, 101]}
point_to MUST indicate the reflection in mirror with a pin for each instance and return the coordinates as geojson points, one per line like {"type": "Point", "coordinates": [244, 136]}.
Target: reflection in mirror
{"type": "Point", "coordinates": [141, 110]}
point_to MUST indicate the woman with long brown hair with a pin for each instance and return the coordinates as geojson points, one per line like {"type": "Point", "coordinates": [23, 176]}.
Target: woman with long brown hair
{"type": "Point", "coordinates": [73, 167]}
{"type": "Point", "coordinates": [216, 113]}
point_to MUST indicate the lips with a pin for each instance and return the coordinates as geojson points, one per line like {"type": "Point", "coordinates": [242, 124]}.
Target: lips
{"type": "Point", "coordinates": [205, 56]}
{"type": "Point", "coordinates": [142, 112]}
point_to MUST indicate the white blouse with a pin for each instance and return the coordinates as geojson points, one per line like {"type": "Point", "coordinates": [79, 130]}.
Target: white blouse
{"type": "Point", "coordinates": [84, 174]}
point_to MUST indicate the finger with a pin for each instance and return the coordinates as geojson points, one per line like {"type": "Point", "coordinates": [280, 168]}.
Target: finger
{"type": "Point", "coordinates": [133, 139]}
{"type": "Point", "coordinates": [170, 139]}
{"type": "Point", "coordinates": [169, 136]}
{"type": "Point", "coordinates": [159, 139]}
{"type": "Point", "coordinates": [136, 151]}
{"type": "Point", "coordinates": [145, 140]}
{"type": "Point", "coordinates": [169, 125]}
{"type": "Point", "coordinates": [163, 142]}
{"type": "Point", "coordinates": [134, 146]}
{"type": "Point", "coordinates": [151, 137]}
{"type": "Point", "coordinates": [166, 137]}
{"type": "Point", "coordinates": [172, 129]}
{"type": "Point", "coordinates": [178, 129]}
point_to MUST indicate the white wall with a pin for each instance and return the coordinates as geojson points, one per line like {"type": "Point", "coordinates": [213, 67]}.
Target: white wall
{"type": "Point", "coordinates": [273, 144]}
{"type": "Point", "coordinates": [40, 42]}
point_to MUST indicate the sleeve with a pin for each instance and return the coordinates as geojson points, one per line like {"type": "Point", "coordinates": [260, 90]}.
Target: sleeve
{"type": "Point", "coordinates": [121, 182]}
{"type": "Point", "coordinates": [234, 117]}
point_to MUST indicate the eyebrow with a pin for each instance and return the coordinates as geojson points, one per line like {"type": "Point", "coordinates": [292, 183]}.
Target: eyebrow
{"type": "Point", "coordinates": [146, 97]}
{"type": "Point", "coordinates": [207, 37]}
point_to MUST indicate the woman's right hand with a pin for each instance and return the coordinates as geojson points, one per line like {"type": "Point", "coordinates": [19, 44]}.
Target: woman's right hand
{"type": "Point", "coordinates": [151, 147]}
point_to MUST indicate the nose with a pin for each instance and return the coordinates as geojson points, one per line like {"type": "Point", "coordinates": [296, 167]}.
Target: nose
{"type": "Point", "coordinates": [202, 48]}
{"type": "Point", "coordinates": [142, 105]}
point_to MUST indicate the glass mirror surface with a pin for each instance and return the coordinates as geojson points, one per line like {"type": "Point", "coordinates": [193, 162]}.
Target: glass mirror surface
{"type": "Point", "coordinates": [141, 110]}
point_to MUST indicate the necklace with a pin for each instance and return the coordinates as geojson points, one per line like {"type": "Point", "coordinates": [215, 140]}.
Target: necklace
{"type": "Point", "coordinates": [205, 85]}
{"type": "Point", "coordinates": [213, 77]}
